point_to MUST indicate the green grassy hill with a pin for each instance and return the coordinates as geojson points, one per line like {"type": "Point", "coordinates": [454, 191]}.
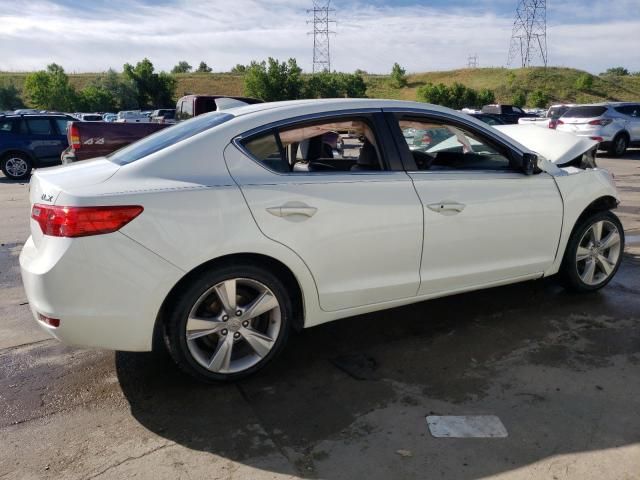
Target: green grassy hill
{"type": "Point", "coordinates": [558, 83]}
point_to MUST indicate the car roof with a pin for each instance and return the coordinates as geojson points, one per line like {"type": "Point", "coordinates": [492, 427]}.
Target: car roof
{"type": "Point", "coordinates": [333, 103]}
{"type": "Point", "coordinates": [27, 115]}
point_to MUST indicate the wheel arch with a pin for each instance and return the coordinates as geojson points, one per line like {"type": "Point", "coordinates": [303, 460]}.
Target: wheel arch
{"type": "Point", "coordinates": [283, 272]}
{"type": "Point", "coordinates": [14, 150]}
{"type": "Point", "coordinates": [601, 204]}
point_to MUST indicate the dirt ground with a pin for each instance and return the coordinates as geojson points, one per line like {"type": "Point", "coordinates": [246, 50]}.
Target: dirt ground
{"type": "Point", "coordinates": [346, 400]}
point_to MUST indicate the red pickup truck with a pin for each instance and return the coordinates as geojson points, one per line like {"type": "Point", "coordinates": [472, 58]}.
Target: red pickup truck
{"type": "Point", "coordinates": [96, 139]}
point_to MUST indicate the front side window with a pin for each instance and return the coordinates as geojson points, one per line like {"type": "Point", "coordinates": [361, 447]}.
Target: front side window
{"type": "Point", "coordinates": [39, 126]}
{"type": "Point", "coordinates": [437, 145]}
{"type": "Point", "coordinates": [337, 145]}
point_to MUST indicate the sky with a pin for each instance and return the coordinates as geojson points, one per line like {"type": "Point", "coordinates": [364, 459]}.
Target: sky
{"type": "Point", "coordinates": [94, 35]}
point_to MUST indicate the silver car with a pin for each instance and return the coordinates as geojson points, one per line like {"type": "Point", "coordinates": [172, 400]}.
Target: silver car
{"type": "Point", "coordinates": [615, 125]}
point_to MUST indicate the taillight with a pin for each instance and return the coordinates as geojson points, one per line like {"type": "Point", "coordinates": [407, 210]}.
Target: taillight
{"type": "Point", "coordinates": [58, 221]}
{"type": "Point", "coordinates": [602, 122]}
{"type": "Point", "coordinates": [52, 322]}
{"type": "Point", "coordinates": [73, 135]}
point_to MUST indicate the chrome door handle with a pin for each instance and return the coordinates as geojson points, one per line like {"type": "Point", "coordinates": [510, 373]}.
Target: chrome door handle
{"type": "Point", "coordinates": [292, 210]}
{"type": "Point", "coordinates": [446, 208]}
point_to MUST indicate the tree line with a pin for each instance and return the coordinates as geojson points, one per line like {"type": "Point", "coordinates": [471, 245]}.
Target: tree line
{"type": "Point", "coordinates": [139, 86]}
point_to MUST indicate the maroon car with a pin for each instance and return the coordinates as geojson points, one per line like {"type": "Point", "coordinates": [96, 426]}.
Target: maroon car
{"type": "Point", "coordinates": [97, 139]}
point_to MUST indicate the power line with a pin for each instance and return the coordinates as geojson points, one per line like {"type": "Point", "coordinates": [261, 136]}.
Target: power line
{"type": "Point", "coordinates": [529, 34]}
{"type": "Point", "coordinates": [321, 20]}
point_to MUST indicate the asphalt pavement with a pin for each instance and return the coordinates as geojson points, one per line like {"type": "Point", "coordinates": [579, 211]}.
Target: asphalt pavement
{"type": "Point", "coordinates": [346, 400]}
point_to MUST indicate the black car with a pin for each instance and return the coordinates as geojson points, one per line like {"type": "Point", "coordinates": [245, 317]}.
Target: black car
{"type": "Point", "coordinates": [507, 113]}
{"type": "Point", "coordinates": [488, 118]}
{"type": "Point", "coordinates": [31, 141]}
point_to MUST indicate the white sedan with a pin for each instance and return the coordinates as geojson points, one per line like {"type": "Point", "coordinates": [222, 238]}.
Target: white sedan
{"type": "Point", "coordinates": [224, 232]}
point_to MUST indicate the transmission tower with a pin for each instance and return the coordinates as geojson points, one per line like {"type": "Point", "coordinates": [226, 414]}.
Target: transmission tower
{"type": "Point", "coordinates": [321, 20]}
{"type": "Point", "coordinates": [529, 35]}
{"type": "Point", "coordinates": [472, 61]}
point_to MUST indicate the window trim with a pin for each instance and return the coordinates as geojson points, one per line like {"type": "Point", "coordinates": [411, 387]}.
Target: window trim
{"type": "Point", "coordinates": [389, 156]}
{"type": "Point", "coordinates": [395, 114]}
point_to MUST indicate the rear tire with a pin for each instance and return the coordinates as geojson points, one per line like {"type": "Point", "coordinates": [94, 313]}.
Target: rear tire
{"type": "Point", "coordinates": [16, 166]}
{"type": "Point", "coordinates": [618, 145]}
{"type": "Point", "coordinates": [593, 254]}
{"type": "Point", "coordinates": [229, 323]}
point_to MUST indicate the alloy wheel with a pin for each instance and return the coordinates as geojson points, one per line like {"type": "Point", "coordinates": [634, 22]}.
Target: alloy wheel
{"type": "Point", "coordinates": [233, 325]}
{"type": "Point", "coordinates": [598, 252]}
{"type": "Point", "coordinates": [16, 167]}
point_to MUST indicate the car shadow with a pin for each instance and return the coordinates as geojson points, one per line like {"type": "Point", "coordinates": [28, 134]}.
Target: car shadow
{"type": "Point", "coordinates": [4, 179]}
{"type": "Point", "coordinates": [317, 400]}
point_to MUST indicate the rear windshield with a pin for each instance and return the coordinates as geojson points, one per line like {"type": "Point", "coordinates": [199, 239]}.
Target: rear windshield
{"type": "Point", "coordinates": [556, 112]}
{"type": "Point", "coordinates": [168, 136]}
{"type": "Point", "coordinates": [584, 112]}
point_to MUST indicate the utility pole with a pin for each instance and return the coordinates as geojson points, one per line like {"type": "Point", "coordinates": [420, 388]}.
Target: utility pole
{"type": "Point", "coordinates": [321, 19]}
{"type": "Point", "coordinates": [472, 61]}
{"type": "Point", "coordinates": [529, 34]}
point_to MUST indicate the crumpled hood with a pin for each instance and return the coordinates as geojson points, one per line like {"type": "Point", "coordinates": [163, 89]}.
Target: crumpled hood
{"type": "Point", "coordinates": [557, 147]}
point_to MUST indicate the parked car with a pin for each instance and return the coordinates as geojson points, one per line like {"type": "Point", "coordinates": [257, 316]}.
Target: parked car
{"type": "Point", "coordinates": [89, 142]}
{"type": "Point", "coordinates": [89, 117]}
{"type": "Point", "coordinates": [132, 116]}
{"type": "Point", "coordinates": [92, 139]}
{"type": "Point", "coordinates": [109, 117]}
{"type": "Point", "coordinates": [221, 233]}
{"type": "Point", "coordinates": [488, 118]}
{"type": "Point", "coordinates": [615, 125]}
{"type": "Point", "coordinates": [191, 106]}
{"type": "Point", "coordinates": [31, 141]}
{"type": "Point", "coordinates": [550, 119]}
{"type": "Point", "coordinates": [164, 115]}
{"type": "Point", "coordinates": [506, 113]}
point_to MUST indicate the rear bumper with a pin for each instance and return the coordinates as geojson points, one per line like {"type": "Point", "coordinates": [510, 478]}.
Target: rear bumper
{"type": "Point", "coordinates": [106, 290]}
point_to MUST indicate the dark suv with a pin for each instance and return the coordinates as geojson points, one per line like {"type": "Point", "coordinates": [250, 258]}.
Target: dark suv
{"type": "Point", "coordinates": [31, 141]}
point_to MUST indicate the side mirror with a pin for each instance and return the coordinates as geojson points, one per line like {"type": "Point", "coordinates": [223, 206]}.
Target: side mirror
{"type": "Point", "coordinates": [529, 163]}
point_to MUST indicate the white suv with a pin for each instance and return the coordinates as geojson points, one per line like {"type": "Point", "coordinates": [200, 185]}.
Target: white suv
{"type": "Point", "coordinates": [615, 125]}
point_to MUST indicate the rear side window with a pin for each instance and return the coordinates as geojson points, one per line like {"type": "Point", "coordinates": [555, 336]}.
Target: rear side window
{"type": "Point", "coordinates": [584, 112]}
{"type": "Point", "coordinates": [334, 145]}
{"type": "Point", "coordinates": [186, 110]}
{"type": "Point", "coordinates": [39, 126]}
{"type": "Point", "coordinates": [6, 126]}
{"type": "Point", "coordinates": [62, 123]}
{"type": "Point", "coordinates": [631, 110]}
{"type": "Point", "coordinates": [167, 137]}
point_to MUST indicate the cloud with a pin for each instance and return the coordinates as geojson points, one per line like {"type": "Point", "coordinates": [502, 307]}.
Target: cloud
{"type": "Point", "coordinates": [93, 36]}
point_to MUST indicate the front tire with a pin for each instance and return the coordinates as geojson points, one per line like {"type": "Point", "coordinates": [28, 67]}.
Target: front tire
{"type": "Point", "coordinates": [16, 166]}
{"type": "Point", "coordinates": [229, 323]}
{"type": "Point", "coordinates": [594, 253]}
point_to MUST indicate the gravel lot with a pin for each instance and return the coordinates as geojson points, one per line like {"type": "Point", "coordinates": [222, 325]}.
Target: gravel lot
{"type": "Point", "coordinates": [346, 400]}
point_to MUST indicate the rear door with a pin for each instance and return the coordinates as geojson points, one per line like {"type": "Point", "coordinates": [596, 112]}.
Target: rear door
{"type": "Point", "coordinates": [350, 212]}
{"type": "Point", "coordinates": [485, 222]}
{"type": "Point", "coordinates": [45, 141]}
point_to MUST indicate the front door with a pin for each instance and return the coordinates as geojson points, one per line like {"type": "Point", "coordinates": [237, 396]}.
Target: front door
{"type": "Point", "coordinates": [325, 189]}
{"type": "Point", "coordinates": [485, 222]}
